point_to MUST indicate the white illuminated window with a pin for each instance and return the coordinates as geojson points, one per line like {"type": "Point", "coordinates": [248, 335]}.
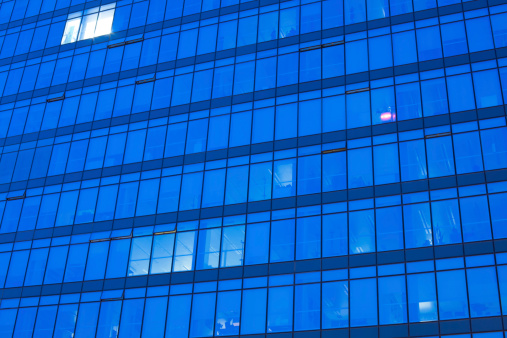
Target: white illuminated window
{"type": "Point", "coordinates": [88, 24]}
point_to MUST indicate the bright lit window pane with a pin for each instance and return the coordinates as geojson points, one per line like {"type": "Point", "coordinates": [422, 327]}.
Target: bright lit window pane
{"type": "Point", "coordinates": [71, 30]}
{"type": "Point", "coordinates": [88, 26]}
{"type": "Point", "coordinates": [104, 23]}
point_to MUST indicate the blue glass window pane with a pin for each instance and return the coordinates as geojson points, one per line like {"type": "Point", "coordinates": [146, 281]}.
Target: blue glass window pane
{"type": "Point", "coordinates": [127, 195]}
{"type": "Point", "coordinates": [87, 319]}
{"type": "Point", "coordinates": [265, 73]}
{"type": "Point", "coordinates": [308, 238]}
{"type": "Point", "coordinates": [76, 261]}
{"type": "Point", "coordinates": [498, 215]}
{"type": "Point", "coordinates": [263, 125]}
{"type": "Point", "coordinates": [118, 258]}
{"type": "Point", "coordinates": [335, 305]}
{"type": "Point", "coordinates": [309, 175]}
{"type": "Point", "coordinates": [494, 148]}
{"type": "Point", "coordinates": [148, 195]}
{"type": "Point", "coordinates": [17, 268]}
{"type": "Point", "coordinates": [131, 317]}
{"type": "Point", "coordinates": [502, 282]}
{"type": "Point", "coordinates": [428, 43]}
{"type": "Point", "coordinates": [454, 39]}
{"type": "Point", "coordinates": [97, 259]}
{"type": "Point", "coordinates": [434, 97]}
{"type": "Point", "coordinates": [354, 11]}
{"type": "Point", "coordinates": [214, 188]}
{"type": "Point", "coordinates": [162, 255]}
{"type": "Point", "coordinates": [307, 307]}
{"type": "Point", "coordinates": [233, 239]}
{"type": "Point", "coordinates": [268, 26]}
{"type": "Point", "coordinates": [284, 184]}
{"type": "Point", "coordinates": [207, 39]}
{"type": "Point", "coordinates": [191, 191]}
{"type": "Point", "coordinates": [106, 203]}
{"type": "Point", "coordinates": [227, 35]}
{"type": "Point", "coordinates": [499, 25]}
{"type": "Point", "coordinates": [392, 300]}
{"type": "Point", "coordinates": [389, 228]}
{"type": "Point", "coordinates": [400, 7]}
{"type": "Point", "coordinates": [440, 156]}
{"type": "Point", "coordinates": [280, 307]}
{"type": "Point", "coordinates": [260, 182]}
{"type": "Point", "coordinates": [66, 320]}
{"type": "Point", "coordinates": [202, 86]}
{"type": "Point", "coordinates": [196, 136]}
{"type": "Point", "coordinates": [377, 9]}
{"type": "Point", "coordinates": [203, 313]}
{"type": "Point", "coordinates": [461, 94]}
{"type": "Point", "coordinates": [413, 160]}
{"type": "Point", "coordinates": [208, 249]}
{"type": "Point", "coordinates": [356, 54]}
{"type": "Point", "coordinates": [36, 266]}
{"type": "Point", "coordinates": [257, 243]}
{"type": "Point", "coordinates": [228, 312]}
{"type": "Point", "coordinates": [222, 81]}
{"type": "Point", "coordinates": [475, 218]}
{"type": "Point", "coordinates": [289, 22]}
{"type": "Point", "coordinates": [404, 48]}
{"type": "Point", "coordinates": [169, 194]}
{"type": "Point", "coordinates": [241, 124]}
{"type": "Point", "coordinates": [361, 232]}
{"type": "Point", "coordinates": [422, 297]}
{"type": "Point", "coordinates": [333, 60]}
{"type": "Point", "coordinates": [154, 317]}
{"type": "Point", "coordinates": [334, 171]}
{"type": "Point", "coordinates": [487, 89]}
{"type": "Point", "coordinates": [253, 311]}
{"type": "Point", "coordinates": [358, 110]}
{"type": "Point", "coordinates": [334, 235]}
{"type": "Point", "coordinates": [467, 148]}
{"type": "Point", "coordinates": [109, 319]}
{"type": "Point", "coordinates": [7, 320]}
{"type": "Point", "coordinates": [286, 121]}
{"type": "Point", "coordinates": [4, 264]}
{"type": "Point", "coordinates": [452, 295]}
{"type": "Point", "coordinates": [310, 63]}
{"type": "Point", "coordinates": [385, 160]}
{"type": "Point", "coordinates": [363, 302]}
{"type": "Point", "coordinates": [310, 18]}
{"type": "Point", "coordinates": [408, 101]}
{"type": "Point", "coordinates": [446, 222]}
{"type": "Point", "coordinates": [383, 105]}
{"type": "Point", "coordinates": [184, 252]}
{"type": "Point", "coordinates": [45, 323]}
{"type": "Point", "coordinates": [379, 55]}
{"type": "Point", "coordinates": [479, 34]}
{"type": "Point", "coordinates": [483, 292]}
{"type": "Point", "coordinates": [236, 185]}
{"type": "Point", "coordinates": [282, 241]}
{"type": "Point", "coordinates": [140, 256]}
{"type": "Point", "coordinates": [360, 168]}
{"type": "Point", "coordinates": [178, 316]}
{"type": "Point", "coordinates": [25, 322]}
{"type": "Point", "coordinates": [244, 76]}
{"type": "Point", "coordinates": [218, 135]}
{"type": "Point", "coordinates": [417, 221]}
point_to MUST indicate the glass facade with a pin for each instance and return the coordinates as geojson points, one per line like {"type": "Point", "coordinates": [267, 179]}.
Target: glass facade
{"type": "Point", "coordinates": [265, 168]}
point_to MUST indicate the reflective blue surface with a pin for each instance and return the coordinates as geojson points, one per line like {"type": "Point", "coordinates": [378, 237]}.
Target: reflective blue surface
{"type": "Point", "coordinates": [199, 168]}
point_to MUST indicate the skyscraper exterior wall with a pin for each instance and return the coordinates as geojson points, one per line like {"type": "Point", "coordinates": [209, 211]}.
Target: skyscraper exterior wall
{"type": "Point", "coordinates": [265, 168]}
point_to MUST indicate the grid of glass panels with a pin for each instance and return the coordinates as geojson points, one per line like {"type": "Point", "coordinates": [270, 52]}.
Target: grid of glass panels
{"type": "Point", "coordinates": [198, 168]}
